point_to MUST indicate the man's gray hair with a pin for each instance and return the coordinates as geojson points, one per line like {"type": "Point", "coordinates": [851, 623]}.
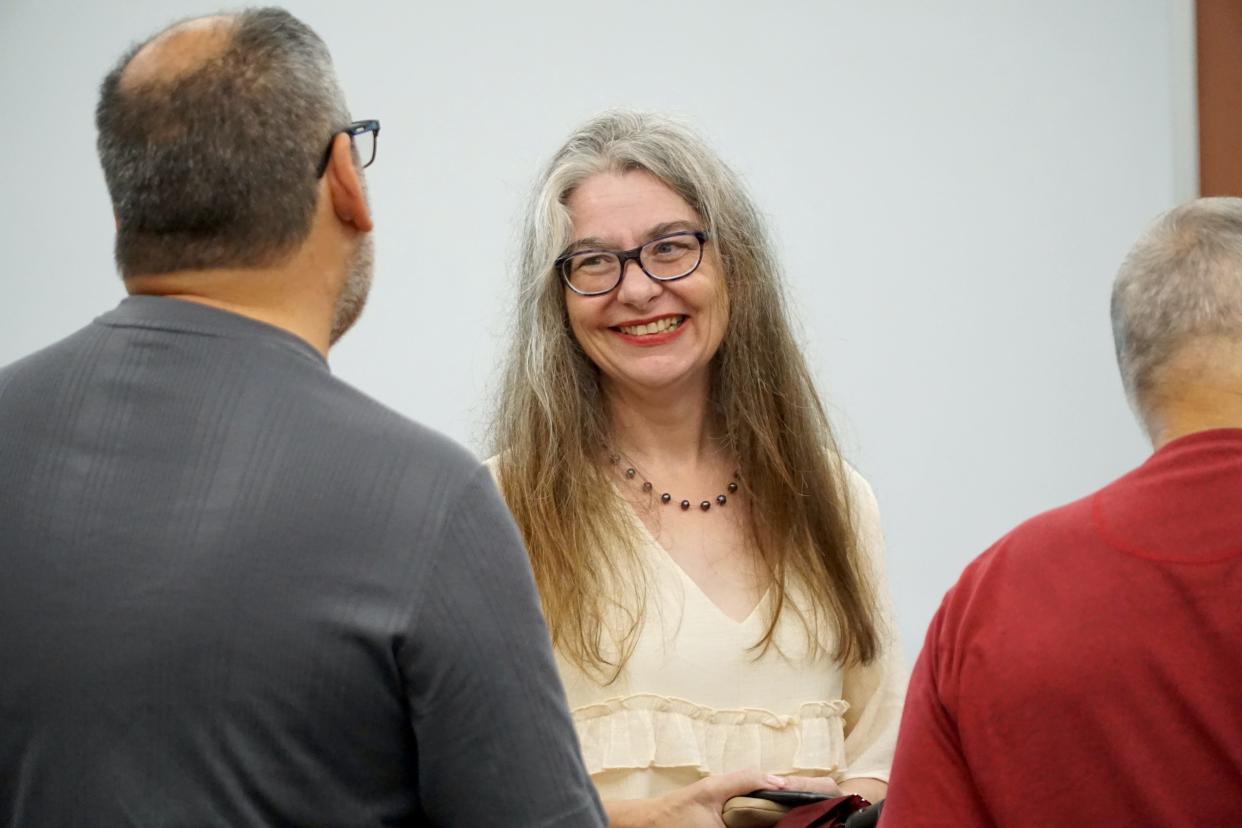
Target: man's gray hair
{"type": "Point", "coordinates": [216, 166]}
{"type": "Point", "coordinates": [1182, 281]}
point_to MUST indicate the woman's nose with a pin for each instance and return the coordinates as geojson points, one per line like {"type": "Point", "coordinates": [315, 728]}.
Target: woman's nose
{"type": "Point", "coordinates": [637, 288]}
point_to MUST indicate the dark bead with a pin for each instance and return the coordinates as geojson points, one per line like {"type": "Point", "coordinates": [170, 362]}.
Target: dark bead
{"type": "Point", "coordinates": [630, 473]}
{"type": "Point", "coordinates": [646, 485]}
{"type": "Point", "coordinates": [721, 499]}
{"type": "Point", "coordinates": [666, 497]}
{"type": "Point", "coordinates": [685, 504]}
{"type": "Point", "coordinates": [705, 505]}
{"type": "Point", "coordinates": [732, 488]}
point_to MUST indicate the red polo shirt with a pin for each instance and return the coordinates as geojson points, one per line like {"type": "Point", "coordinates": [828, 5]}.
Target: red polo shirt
{"type": "Point", "coordinates": [1087, 669]}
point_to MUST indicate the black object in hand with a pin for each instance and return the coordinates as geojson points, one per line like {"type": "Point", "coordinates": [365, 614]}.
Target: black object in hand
{"type": "Point", "coordinates": [791, 798]}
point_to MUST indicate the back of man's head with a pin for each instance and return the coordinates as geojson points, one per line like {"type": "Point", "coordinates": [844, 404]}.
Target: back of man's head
{"type": "Point", "coordinates": [210, 135]}
{"type": "Point", "coordinates": [1177, 301]}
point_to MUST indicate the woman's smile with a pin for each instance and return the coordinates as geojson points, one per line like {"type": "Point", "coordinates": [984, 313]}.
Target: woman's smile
{"type": "Point", "coordinates": [647, 333]}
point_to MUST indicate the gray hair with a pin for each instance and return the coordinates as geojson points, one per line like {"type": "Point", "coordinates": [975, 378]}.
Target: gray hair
{"type": "Point", "coordinates": [620, 141]}
{"type": "Point", "coordinates": [1181, 281]}
{"type": "Point", "coordinates": [551, 418]}
{"type": "Point", "coordinates": [216, 166]}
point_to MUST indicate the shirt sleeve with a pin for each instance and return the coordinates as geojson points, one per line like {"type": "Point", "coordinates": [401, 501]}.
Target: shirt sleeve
{"type": "Point", "coordinates": [874, 691]}
{"type": "Point", "coordinates": [494, 738]}
{"type": "Point", "coordinates": [932, 783]}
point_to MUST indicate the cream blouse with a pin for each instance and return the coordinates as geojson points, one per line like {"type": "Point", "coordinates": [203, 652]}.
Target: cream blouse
{"type": "Point", "coordinates": [694, 700]}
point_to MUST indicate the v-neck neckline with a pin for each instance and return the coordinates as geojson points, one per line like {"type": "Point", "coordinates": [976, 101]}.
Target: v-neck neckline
{"type": "Point", "coordinates": [685, 576]}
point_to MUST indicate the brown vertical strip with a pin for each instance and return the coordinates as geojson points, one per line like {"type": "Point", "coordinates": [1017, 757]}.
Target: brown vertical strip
{"type": "Point", "coordinates": [1218, 36]}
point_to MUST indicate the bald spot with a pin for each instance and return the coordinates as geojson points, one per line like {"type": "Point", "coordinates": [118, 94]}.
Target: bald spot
{"type": "Point", "coordinates": [178, 50]}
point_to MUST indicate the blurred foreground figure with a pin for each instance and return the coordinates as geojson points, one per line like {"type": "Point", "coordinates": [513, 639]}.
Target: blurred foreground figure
{"type": "Point", "coordinates": [1085, 669]}
{"type": "Point", "coordinates": [233, 590]}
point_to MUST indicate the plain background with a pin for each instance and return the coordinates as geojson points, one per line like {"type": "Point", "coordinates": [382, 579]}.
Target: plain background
{"type": "Point", "coordinates": [952, 186]}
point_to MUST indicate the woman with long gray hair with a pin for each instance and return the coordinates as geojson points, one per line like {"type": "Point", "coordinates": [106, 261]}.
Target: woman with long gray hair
{"type": "Point", "coordinates": [710, 568]}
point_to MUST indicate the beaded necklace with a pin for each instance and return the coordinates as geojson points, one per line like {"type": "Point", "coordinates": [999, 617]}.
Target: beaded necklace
{"type": "Point", "coordinates": [632, 472]}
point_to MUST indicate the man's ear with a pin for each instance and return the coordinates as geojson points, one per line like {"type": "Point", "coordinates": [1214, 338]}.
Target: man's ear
{"type": "Point", "coordinates": [345, 186]}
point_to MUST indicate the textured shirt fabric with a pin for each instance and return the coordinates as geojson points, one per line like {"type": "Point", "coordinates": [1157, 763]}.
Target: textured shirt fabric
{"type": "Point", "coordinates": [1086, 669]}
{"type": "Point", "coordinates": [695, 699]}
{"type": "Point", "coordinates": [236, 592]}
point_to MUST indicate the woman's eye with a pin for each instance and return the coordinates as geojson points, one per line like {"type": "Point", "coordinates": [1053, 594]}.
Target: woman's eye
{"type": "Point", "coordinates": [593, 263]}
{"type": "Point", "coordinates": [670, 247]}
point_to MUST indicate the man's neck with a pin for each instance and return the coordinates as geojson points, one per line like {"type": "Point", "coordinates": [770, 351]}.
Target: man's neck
{"type": "Point", "coordinates": [1199, 388]}
{"type": "Point", "coordinates": [1204, 410]}
{"type": "Point", "coordinates": [275, 296]}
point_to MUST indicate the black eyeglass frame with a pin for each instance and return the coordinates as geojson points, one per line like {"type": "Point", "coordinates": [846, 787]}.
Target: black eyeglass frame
{"type": "Point", "coordinates": [353, 131]}
{"type": "Point", "coordinates": [635, 254]}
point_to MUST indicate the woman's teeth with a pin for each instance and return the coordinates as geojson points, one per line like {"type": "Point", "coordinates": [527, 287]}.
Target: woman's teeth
{"type": "Point", "coordinates": [658, 326]}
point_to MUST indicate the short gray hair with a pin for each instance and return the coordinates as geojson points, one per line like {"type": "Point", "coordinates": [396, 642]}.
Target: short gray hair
{"type": "Point", "coordinates": [216, 166]}
{"type": "Point", "coordinates": [1180, 282]}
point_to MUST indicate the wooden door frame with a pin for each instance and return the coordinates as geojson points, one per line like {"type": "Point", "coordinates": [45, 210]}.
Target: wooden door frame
{"type": "Point", "coordinates": [1218, 46]}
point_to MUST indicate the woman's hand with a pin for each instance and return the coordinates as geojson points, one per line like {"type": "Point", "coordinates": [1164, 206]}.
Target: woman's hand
{"type": "Point", "coordinates": [695, 806]}
{"type": "Point", "coordinates": [872, 790]}
{"type": "Point", "coordinates": [812, 784]}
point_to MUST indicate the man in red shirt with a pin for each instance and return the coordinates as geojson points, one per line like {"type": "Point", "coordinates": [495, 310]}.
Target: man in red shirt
{"type": "Point", "coordinates": [1087, 669]}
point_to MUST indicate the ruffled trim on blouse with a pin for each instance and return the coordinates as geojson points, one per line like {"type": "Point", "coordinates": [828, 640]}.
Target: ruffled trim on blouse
{"type": "Point", "coordinates": [646, 730]}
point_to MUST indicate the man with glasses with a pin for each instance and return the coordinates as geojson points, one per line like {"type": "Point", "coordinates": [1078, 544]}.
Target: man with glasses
{"type": "Point", "coordinates": [234, 590]}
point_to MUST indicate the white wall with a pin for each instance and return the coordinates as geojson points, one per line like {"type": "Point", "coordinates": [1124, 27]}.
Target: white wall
{"type": "Point", "coordinates": [952, 185]}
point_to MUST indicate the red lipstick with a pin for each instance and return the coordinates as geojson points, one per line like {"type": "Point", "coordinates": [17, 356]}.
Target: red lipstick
{"type": "Point", "coordinates": [650, 340]}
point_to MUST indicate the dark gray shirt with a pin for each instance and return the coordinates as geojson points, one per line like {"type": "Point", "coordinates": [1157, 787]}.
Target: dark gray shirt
{"type": "Point", "coordinates": [235, 591]}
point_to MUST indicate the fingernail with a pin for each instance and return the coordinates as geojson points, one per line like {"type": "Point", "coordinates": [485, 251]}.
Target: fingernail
{"type": "Point", "coordinates": [775, 781]}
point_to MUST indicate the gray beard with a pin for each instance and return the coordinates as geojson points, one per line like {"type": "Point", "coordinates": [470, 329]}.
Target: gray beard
{"type": "Point", "coordinates": [353, 296]}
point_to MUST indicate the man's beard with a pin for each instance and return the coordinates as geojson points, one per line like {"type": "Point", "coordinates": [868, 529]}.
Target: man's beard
{"type": "Point", "coordinates": [353, 296]}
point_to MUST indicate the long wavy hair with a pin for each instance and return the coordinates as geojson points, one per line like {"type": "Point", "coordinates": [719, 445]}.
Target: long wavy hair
{"type": "Point", "coordinates": [551, 421]}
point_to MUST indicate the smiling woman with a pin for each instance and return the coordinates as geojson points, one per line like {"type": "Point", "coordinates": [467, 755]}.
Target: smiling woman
{"type": "Point", "coordinates": [653, 368]}
{"type": "Point", "coordinates": [646, 331]}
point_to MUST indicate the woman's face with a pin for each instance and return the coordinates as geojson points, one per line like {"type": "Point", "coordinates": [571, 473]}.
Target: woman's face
{"type": "Point", "coordinates": [621, 211]}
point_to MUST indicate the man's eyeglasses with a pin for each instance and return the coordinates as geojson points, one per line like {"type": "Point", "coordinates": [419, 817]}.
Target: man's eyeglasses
{"type": "Point", "coordinates": [364, 135]}
{"type": "Point", "coordinates": [668, 258]}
